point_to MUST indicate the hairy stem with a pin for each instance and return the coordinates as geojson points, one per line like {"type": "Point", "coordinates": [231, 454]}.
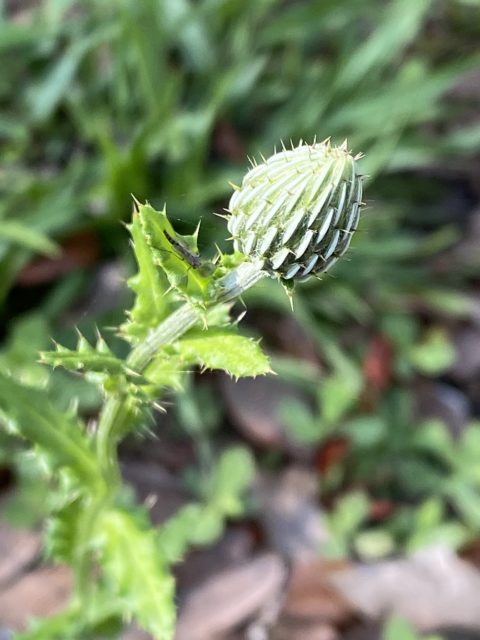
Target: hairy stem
{"type": "Point", "coordinates": [116, 412]}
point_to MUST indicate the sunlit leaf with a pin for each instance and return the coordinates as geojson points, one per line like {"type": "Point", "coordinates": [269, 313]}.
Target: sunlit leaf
{"type": "Point", "coordinates": [434, 354]}
{"type": "Point", "coordinates": [236, 355]}
{"type": "Point", "coordinates": [149, 285]}
{"type": "Point", "coordinates": [132, 561]}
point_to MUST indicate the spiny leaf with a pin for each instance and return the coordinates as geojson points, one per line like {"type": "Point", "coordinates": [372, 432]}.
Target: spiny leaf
{"type": "Point", "coordinates": [166, 370]}
{"type": "Point", "coordinates": [28, 413]}
{"type": "Point", "coordinates": [61, 532]}
{"type": "Point", "coordinates": [149, 285]}
{"type": "Point", "coordinates": [85, 357]}
{"type": "Point", "coordinates": [132, 561]}
{"type": "Point", "coordinates": [177, 255]}
{"type": "Point", "coordinates": [98, 364]}
{"type": "Point", "coordinates": [237, 355]}
{"type": "Point", "coordinates": [114, 376]}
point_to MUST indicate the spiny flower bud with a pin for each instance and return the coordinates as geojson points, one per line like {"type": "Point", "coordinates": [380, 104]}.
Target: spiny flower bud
{"type": "Point", "coordinates": [297, 211]}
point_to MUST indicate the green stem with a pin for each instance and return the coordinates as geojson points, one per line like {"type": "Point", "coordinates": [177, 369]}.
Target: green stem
{"type": "Point", "coordinates": [115, 413]}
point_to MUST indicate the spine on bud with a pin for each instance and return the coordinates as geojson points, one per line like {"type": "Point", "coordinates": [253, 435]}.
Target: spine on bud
{"type": "Point", "coordinates": [297, 210]}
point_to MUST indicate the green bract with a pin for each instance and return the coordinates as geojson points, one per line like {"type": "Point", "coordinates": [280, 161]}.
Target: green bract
{"type": "Point", "coordinates": [297, 211]}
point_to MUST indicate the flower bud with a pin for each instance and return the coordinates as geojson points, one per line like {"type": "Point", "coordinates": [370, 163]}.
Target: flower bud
{"type": "Point", "coordinates": [298, 210]}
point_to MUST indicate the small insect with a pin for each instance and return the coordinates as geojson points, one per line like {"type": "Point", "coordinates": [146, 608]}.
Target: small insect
{"type": "Point", "coordinates": [193, 259]}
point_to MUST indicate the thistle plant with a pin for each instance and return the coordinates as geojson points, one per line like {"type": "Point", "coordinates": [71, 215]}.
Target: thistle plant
{"type": "Point", "coordinates": [291, 218]}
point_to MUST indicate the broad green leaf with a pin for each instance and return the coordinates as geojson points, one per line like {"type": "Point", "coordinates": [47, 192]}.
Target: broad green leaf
{"type": "Point", "coordinates": [149, 285]}
{"type": "Point", "coordinates": [27, 237]}
{"type": "Point", "coordinates": [237, 355]}
{"type": "Point", "coordinates": [132, 561]}
{"type": "Point", "coordinates": [434, 354]}
{"type": "Point", "coordinates": [28, 413]}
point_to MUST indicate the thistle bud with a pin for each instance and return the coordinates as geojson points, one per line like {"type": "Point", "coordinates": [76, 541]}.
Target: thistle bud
{"type": "Point", "coordinates": [298, 210]}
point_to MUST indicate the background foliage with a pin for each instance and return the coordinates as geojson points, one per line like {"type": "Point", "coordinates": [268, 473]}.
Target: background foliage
{"type": "Point", "coordinates": [165, 99]}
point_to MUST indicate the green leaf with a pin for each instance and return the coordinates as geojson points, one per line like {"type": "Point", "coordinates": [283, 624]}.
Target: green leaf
{"type": "Point", "coordinates": [300, 424]}
{"type": "Point", "coordinates": [402, 20]}
{"type": "Point", "coordinates": [194, 524]}
{"type": "Point", "coordinates": [28, 334]}
{"type": "Point", "coordinates": [237, 355]}
{"type": "Point", "coordinates": [151, 303]}
{"type": "Point", "coordinates": [197, 524]}
{"type": "Point", "coordinates": [434, 437]}
{"type": "Point", "coordinates": [62, 532]}
{"type": "Point", "coordinates": [454, 303]}
{"type": "Point", "coordinates": [431, 528]}
{"type": "Point", "coordinates": [177, 255]}
{"type": "Point", "coordinates": [234, 473]}
{"type": "Point", "coordinates": [132, 562]}
{"type": "Point", "coordinates": [45, 96]}
{"type": "Point", "coordinates": [98, 359]}
{"type": "Point", "coordinates": [466, 500]}
{"type": "Point", "coordinates": [350, 511]}
{"type": "Point", "coordinates": [399, 629]}
{"type": "Point", "coordinates": [337, 394]}
{"type": "Point", "coordinates": [28, 413]}
{"type": "Point", "coordinates": [366, 432]}
{"type": "Point", "coordinates": [104, 620]}
{"type": "Point", "coordinates": [167, 370]}
{"type": "Point", "coordinates": [434, 354]}
{"type": "Point", "coordinates": [27, 237]}
{"type": "Point", "coordinates": [99, 366]}
{"type": "Point", "coordinates": [31, 502]}
{"type": "Point", "coordinates": [374, 544]}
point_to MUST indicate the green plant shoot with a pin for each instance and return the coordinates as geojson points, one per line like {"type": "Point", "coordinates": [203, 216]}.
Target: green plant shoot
{"type": "Point", "coordinates": [291, 219]}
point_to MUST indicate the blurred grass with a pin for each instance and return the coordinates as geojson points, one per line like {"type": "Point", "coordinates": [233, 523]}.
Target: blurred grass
{"type": "Point", "coordinates": [166, 98]}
